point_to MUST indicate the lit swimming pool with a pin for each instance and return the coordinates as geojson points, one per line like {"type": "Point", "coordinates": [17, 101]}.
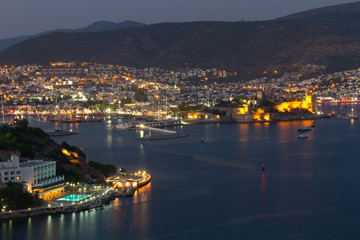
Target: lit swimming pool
{"type": "Point", "coordinates": [73, 198]}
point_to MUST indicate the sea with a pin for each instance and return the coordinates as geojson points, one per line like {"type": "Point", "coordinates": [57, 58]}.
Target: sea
{"type": "Point", "coordinates": [216, 189]}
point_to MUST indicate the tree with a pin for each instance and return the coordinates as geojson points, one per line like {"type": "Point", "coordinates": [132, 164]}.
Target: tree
{"type": "Point", "coordinates": [125, 100]}
{"type": "Point", "coordinates": [140, 95]}
{"type": "Point", "coordinates": [21, 123]}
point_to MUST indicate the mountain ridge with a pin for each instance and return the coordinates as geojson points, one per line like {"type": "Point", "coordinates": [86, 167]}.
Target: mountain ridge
{"type": "Point", "coordinates": [94, 27]}
{"type": "Point", "coordinates": [339, 9]}
{"type": "Point", "coordinates": [248, 48]}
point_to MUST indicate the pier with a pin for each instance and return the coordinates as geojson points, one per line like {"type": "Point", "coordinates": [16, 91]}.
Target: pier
{"type": "Point", "coordinates": [163, 124]}
{"type": "Point", "coordinates": [161, 134]}
{"type": "Point", "coordinates": [156, 130]}
{"type": "Point", "coordinates": [127, 183]}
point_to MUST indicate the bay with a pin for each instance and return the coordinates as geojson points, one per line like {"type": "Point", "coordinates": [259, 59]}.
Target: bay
{"type": "Point", "coordinates": [216, 189]}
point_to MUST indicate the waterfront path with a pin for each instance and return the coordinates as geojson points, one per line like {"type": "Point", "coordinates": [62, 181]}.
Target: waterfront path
{"type": "Point", "coordinates": [97, 199]}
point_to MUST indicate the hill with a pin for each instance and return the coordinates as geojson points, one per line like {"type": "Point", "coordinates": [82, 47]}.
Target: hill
{"type": "Point", "coordinates": [326, 39]}
{"type": "Point", "coordinates": [33, 143]}
{"type": "Point", "coordinates": [329, 13]}
{"type": "Point", "coordinates": [95, 27]}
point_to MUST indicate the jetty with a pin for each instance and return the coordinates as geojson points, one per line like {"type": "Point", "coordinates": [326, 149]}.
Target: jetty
{"type": "Point", "coordinates": [125, 184]}
{"type": "Point", "coordinates": [160, 134]}
{"type": "Point", "coordinates": [163, 124]}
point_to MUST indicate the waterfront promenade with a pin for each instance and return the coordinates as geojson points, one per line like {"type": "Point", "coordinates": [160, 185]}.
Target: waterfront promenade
{"type": "Point", "coordinates": [96, 199]}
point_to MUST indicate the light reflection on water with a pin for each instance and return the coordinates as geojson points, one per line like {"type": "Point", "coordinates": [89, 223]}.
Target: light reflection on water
{"type": "Point", "coordinates": [29, 228]}
{"type": "Point", "coordinates": [49, 230]}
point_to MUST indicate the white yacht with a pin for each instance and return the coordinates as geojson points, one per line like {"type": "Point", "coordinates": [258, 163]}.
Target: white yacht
{"type": "Point", "coordinates": [303, 135]}
{"type": "Point", "coordinates": [123, 126]}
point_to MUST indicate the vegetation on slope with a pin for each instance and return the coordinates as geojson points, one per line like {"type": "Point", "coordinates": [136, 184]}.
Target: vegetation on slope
{"type": "Point", "coordinates": [33, 143]}
{"type": "Point", "coordinates": [322, 40]}
{"type": "Point", "coordinates": [14, 197]}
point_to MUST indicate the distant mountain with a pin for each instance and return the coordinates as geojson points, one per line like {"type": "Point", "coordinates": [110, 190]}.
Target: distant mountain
{"type": "Point", "coordinates": [327, 13]}
{"type": "Point", "coordinates": [327, 38]}
{"type": "Point", "coordinates": [95, 27]}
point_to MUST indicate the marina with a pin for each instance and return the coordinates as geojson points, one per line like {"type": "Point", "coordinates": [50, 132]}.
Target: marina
{"type": "Point", "coordinates": [154, 129]}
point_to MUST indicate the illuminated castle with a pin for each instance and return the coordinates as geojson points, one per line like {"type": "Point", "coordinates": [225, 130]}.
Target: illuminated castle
{"type": "Point", "coordinates": [309, 104]}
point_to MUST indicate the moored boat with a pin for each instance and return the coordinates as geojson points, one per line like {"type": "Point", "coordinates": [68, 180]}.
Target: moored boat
{"type": "Point", "coordinates": [304, 129]}
{"type": "Point", "coordinates": [124, 126]}
{"type": "Point", "coordinates": [61, 132]}
{"type": "Point", "coordinates": [303, 135]}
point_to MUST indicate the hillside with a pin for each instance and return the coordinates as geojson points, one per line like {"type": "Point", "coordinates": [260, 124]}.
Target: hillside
{"type": "Point", "coordinates": [329, 13]}
{"type": "Point", "coordinates": [33, 143]}
{"type": "Point", "coordinates": [322, 39]}
{"type": "Point", "coordinates": [95, 27]}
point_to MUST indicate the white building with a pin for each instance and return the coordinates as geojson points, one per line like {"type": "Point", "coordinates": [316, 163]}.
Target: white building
{"type": "Point", "coordinates": [38, 175]}
{"type": "Point", "coordinates": [10, 171]}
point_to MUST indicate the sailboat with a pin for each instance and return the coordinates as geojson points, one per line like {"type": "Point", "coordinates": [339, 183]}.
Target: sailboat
{"type": "Point", "coordinates": [3, 122]}
{"type": "Point", "coordinates": [60, 131]}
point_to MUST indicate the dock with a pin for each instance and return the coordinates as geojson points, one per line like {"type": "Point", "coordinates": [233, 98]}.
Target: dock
{"type": "Point", "coordinates": [162, 136]}
{"type": "Point", "coordinates": [163, 124]}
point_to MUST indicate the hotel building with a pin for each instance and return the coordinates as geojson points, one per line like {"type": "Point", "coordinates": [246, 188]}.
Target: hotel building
{"type": "Point", "coordinates": [39, 176]}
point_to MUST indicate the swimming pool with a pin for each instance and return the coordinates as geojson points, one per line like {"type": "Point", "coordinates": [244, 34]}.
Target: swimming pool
{"type": "Point", "coordinates": [73, 198]}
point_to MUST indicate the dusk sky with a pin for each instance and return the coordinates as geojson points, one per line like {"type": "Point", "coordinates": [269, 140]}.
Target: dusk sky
{"type": "Point", "coordinates": [26, 17]}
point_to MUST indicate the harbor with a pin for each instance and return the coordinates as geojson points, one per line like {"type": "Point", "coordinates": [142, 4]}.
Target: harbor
{"type": "Point", "coordinates": [154, 130]}
{"type": "Point", "coordinates": [186, 176]}
{"type": "Point", "coordinates": [158, 134]}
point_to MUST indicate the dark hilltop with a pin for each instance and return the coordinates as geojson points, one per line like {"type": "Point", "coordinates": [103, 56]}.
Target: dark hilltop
{"type": "Point", "coordinates": [312, 42]}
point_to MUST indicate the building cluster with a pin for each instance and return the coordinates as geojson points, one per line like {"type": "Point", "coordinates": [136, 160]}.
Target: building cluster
{"type": "Point", "coordinates": [78, 87]}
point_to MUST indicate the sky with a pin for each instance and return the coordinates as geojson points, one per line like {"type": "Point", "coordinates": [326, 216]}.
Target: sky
{"type": "Point", "coordinates": [27, 17]}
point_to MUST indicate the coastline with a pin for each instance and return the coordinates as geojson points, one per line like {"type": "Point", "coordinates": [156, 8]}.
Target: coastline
{"type": "Point", "coordinates": [59, 209]}
{"type": "Point", "coordinates": [98, 199]}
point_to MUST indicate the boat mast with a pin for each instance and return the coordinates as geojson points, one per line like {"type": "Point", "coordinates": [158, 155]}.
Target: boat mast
{"type": "Point", "coordinates": [3, 111]}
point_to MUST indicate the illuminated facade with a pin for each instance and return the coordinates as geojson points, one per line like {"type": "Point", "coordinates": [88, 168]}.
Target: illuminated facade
{"type": "Point", "coordinates": [243, 110]}
{"type": "Point", "coordinates": [308, 104]}
{"type": "Point", "coordinates": [261, 117]}
{"type": "Point", "coordinates": [39, 176]}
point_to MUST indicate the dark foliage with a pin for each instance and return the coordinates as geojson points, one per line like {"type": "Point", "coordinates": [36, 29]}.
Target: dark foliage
{"type": "Point", "coordinates": [140, 95]}
{"type": "Point", "coordinates": [106, 169]}
{"type": "Point", "coordinates": [15, 197]}
{"type": "Point", "coordinates": [21, 138]}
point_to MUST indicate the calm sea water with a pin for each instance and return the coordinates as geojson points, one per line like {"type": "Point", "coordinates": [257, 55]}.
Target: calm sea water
{"type": "Point", "coordinates": [216, 189]}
